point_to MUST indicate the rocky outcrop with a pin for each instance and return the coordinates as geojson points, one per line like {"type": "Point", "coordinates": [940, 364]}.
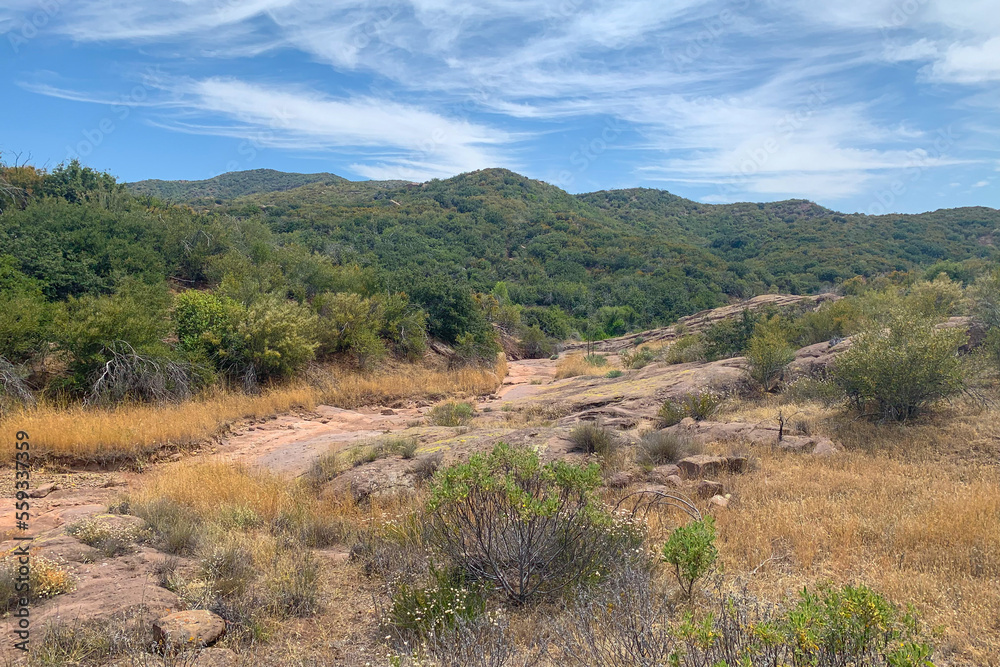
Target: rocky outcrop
{"type": "Point", "coordinates": [702, 320]}
{"type": "Point", "coordinates": [195, 628]}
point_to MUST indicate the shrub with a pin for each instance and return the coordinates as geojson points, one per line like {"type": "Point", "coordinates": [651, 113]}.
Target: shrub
{"type": "Point", "coordinates": [575, 365]}
{"type": "Point", "coordinates": [423, 611]}
{"type": "Point", "coordinates": [109, 537]}
{"type": "Point", "coordinates": [670, 413]}
{"type": "Point", "coordinates": [686, 349]}
{"type": "Point", "coordinates": [639, 358]}
{"type": "Point", "coordinates": [596, 360]}
{"type": "Point", "coordinates": [630, 623]}
{"type": "Point", "coordinates": [900, 365]}
{"type": "Point", "coordinates": [45, 580]}
{"type": "Point", "coordinates": [941, 297]}
{"type": "Point", "coordinates": [594, 439]}
{"type": "Point", "coordinates": [350, 323]}
{"type": "Point", "coordinates": [691, 551]}
{"type": "Point", "coordinates": [451, 414]}
{"type": "Point", "coordinates": [660, 447]}
{"type": "Point", "coordinates": [535, 344]}
{"type": "Point", "coordinates": [768, 354]}
{"type": "Point", "coordinates": [613, 373]}
{"type": "Point", "coordinates": [729, 338]}
{"type": "Point", "coordinates": [425, 467]}
{"type": "Point", "coordinates": [698, 406]}
{"type": "Point", "coordinates": [25, 325]}
{"type": "Point", "coordinates": [526, 529]}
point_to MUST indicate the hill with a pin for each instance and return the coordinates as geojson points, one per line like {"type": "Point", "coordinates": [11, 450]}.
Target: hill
{"type": "Point", "coordinates": [228, 186]}
{"type": "Point", "coordinates": [658, 253]}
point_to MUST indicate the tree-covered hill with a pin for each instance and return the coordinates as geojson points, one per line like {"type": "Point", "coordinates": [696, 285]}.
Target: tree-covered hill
{"type": "Point", "coordinates": [658, 253]}
{"type": "Point", "coordinates": [228, 186]}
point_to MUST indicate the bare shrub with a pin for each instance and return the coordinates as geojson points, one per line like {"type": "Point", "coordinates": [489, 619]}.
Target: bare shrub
{"type": "Point", "coordinates": [130, 376]}
{"type": "Point", "coordinates": [660, 447]}
{"type": "Point", "coordinates": [425, 467]}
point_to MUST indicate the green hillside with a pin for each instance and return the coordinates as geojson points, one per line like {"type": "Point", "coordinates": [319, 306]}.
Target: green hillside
{"type": "Point", "coordinates": [228, 186]}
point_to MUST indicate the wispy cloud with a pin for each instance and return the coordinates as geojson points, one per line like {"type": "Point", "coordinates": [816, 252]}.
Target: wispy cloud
{"type": "Point", "coordinates": [719, 92]}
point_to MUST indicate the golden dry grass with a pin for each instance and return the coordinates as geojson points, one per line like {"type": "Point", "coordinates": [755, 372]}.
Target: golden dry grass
{"type": "Point", "coordinates": [203, 487]}
{"type": "Point", "coordinates": [912, 511]}
{"type": "Point", "coordinates": [131, 431]}
{"type": "Point", "coordinates": [575, 364]}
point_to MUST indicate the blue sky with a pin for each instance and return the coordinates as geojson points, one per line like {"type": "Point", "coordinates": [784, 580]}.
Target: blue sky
{"type": "Point", "coordinates": [860, 105]}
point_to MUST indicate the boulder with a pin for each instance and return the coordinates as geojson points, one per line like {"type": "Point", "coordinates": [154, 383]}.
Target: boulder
{"type": "Point", "coordinates": [43, 490]}
{"type": "Point", "coordinates": [721, 502]}
{"type": "Point", "coordinates": [619, 480]}
{"type": "Point", "coordinates": [701, 465]}
{"type": "Point", "coordinates": [824, 448]}
{"type": "Point", "coordinates": [674, 481]}
{"type": "Point", "coordinates": [660, 474]}
{"type": "Point", "coordinates": [195, 628]}
{"type": "Point", "coordinates": [708, 488]}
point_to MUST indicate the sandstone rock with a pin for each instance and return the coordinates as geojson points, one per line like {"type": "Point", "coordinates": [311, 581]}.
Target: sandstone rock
{"type": "Point", "coordinates": [737, 464]}
{"type": "Point", "coordinates": [188, 629]}
{"type": "Point", "coordinates": [675, 481]}
{"type": "Point", "coordinates": [824, 448]}
{"type": "Point", "coordinates": [659, 474]}
{"type": "Point", "coordinates": [719, 501]}
{"type": "Point", "coordinates": [708, 488]}
{"type": "Point", "coordinates": [619, 480]}
{"type": "Point", "coordinates": [700, 465]}
{"type": "Point", "coordinates": [43, 490]}
{"type": "Point", "coordinates": [388, 411]}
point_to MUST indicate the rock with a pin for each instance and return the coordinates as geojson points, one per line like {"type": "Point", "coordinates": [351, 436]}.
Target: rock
{"type": "Point", "coordinates": [737, 464]}
{"type": "Point", "coordinates": [700, 465]}
{"type": "Point", "coordinates": [675, 481]}
{"type": "Point", "coordinates": [659, 474]}
{"type": "Point", "coordinates": [188, 629]}
{"type": "Point", "coordinates": [215, 657]}
{"type": "Point", "coordinates": [619, 480]}
{"type": "Point", "coordinates": [708, 488]}
{"type": "Point", "coordinates": [43, 490]}
{"type": "Point", "coordinates": [824, 448]}
{"type": "Point", "coordinates": [687, 422]}
{"type": "Point", "coordinates": [719, 501]}
{"type": "Point", "coordinates": [388, 411]}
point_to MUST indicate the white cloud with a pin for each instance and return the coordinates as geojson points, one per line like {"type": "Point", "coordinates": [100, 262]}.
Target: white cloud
{"type": "Point", "coordinates": [981, 184]}
{"type": "Point", "coordinates": [968, 63]}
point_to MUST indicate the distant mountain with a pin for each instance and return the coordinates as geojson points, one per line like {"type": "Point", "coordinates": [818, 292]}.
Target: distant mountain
{"type": "Point", "coordinates": [229, 186]}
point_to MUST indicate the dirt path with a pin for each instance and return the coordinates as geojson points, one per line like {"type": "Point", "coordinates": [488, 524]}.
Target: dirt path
{"type": "Point", "coordinates": [288, 444]}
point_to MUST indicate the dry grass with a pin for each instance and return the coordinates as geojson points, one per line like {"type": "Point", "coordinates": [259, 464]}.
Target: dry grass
{"type": "Point", "coordinates": [129, 432]}
{"type": "Point", "coordinates": [575, 364]}
{"type": "Point", "coordinates": [912, 511]}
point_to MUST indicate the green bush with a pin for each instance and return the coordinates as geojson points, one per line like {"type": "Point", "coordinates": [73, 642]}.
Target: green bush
{"type": "Point", "coordinates": [597, 360]}
{"type": "Point", "coordinates": [594, 439]}
{"type": "Point", "coordinates": [535, 344]}
{"type": "Point", "coordinates": [901, 365]}
{"type": "Point", "coordinates": [451, 414]}
{"type": "Point", "coordinates": [686, 349]}
{"type": "Point", "coordinates": [729, 338]}
{"type": "Point", "coordinates": [350, 323]}
{"type": "Point", "coordinates": [941, 297]}
{"type": "Point", "coordinates": [639, 358]}
{"type": "Point", "coordinates": [523, 528]}
{"type": "Point", "coordinates": [670, 413]}
{"type": "Point", "coordinates": [613, 373]}
{"type": "Point", "coordinates": [698, 406]}
{"type": "Point", "coordinates": [691, 551]}
{"type": "Point", "coordinates": [270, 338]}
{"type": "Point", "coordinates": [768, 354]}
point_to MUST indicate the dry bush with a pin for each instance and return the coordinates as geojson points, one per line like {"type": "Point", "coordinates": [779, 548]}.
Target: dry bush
{"type": "Point", "coordinates": [46, 579]}
{"type": "Point", "coordinates": [660, 447]}
{"type": "Point", "coordinates": [577, 364]}
{"type": "Point", "coordinates": [592, 438]}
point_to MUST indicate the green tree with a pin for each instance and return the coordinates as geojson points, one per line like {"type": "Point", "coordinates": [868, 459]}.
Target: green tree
{"type": "Point", "coordinates": [768, 353]}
